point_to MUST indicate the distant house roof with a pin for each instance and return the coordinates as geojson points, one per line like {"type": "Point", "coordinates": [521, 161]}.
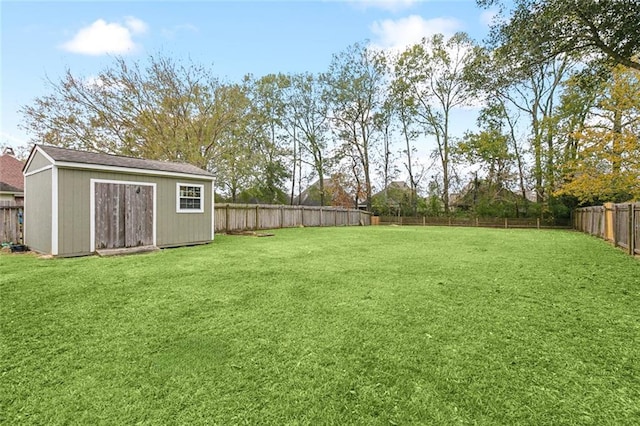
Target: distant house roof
{"type": "Point", "coordinates": [11, 178]}
{"type": "Point", "coordinates": [335, 194]}
{"type": "Point", "coordinates": [64, 156]}
{"type": "Point", "coordinates": [393, 189]}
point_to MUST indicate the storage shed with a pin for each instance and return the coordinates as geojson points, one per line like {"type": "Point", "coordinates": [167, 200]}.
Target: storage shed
{"type": "Point", "coordinates": [79, 202]}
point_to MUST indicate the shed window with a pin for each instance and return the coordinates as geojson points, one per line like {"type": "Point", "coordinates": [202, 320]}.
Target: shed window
{"type": "Point", "coordinates": [190, 198]}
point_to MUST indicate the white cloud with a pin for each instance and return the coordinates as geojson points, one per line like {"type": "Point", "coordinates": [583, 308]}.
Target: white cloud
{"type": "Point", "coordinates": [398, 34]}
{"type": "Point", "coordinates": [136, 25]}
{"type": "Point", "coordinates": [101, 37]}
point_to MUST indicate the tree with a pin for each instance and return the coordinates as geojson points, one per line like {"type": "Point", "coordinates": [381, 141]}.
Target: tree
{"type": "Point", "coordinates": [383, 123]}
{"type": "Point", "coordinates": [433, 71]}
{"type": "Point", "coordinates": [607, 162]}
{"type": "Point", "coordinates": [539, 30]}
{"type": "Point", "coordinates": [356, 87]}
{"type": "Point", "coordinates": [577, 104]}
{"type": "Point", "coordinates": [160, 110]}
{"type": "Point", "coordinates": [267, 96]}
{"type": "Point", "coordinates": [532, 92]}
{"type": "Point", "coordinates": [236, 162]}
{"type": "Point", "coordinates": [309, 114]}
{"type": "Point", "coordinates": [489, 149]}
{"type": "Point", "coordinates": [405, 112]}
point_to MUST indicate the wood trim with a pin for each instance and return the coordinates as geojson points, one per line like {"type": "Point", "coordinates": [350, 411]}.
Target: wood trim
{"type": "Point", "coordinates": [202, 198]}
{"type": "Point", "coordinates": [82, 166]}
{"type": "Point", "coordinates": [41, 169]}
{"type": "Point", "coordinates": [54, 211]}
{"type": "Point", "coordinates": [213, 211]}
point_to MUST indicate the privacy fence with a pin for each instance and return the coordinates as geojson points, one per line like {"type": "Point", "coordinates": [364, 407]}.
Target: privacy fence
{"type": "Point", "coordinates": [485, 222]}
{"type": "Point", "coordinates": [245, 217]}
{"type": "Point", "coordinates": [10, 224]}
{"type": "Point", "coordinates": [618, 223]}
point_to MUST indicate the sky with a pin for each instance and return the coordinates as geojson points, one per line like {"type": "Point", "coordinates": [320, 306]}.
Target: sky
{"type": "Point", "coordinates": [40, 40]}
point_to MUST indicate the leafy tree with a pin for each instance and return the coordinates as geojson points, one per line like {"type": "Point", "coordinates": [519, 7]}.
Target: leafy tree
{"type": "Point", "coordinates": [309, 107]}
{"type": "Point", "coordinates": [237, 164]}
{"type": "Point", "coordinates": [383, 123]}
{"type": "Point", "coordinates": [532, 93]}
{"type": "Point", "coordinates": [607, 162]}
{"type": "Point", "coordinates": [537, 31]}
{"type": "Point", "coordinates": [489, 149]}
{"type": "Point", "coordinates": [406, 113]}
{"type": "Point", "coordinates": [268, 103]}
{"type": "Point", "coordinates": [577, 104]}
{"type": "Point", "coordinates": [159, 110]}
{"type": "Point", "coordinates": [356, 82]}
{"type": "Point", "coordinates": [433, 73]}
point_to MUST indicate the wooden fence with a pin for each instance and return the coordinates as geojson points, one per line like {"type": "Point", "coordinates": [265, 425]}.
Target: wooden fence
{"type": "Point", "coordinates": [10, 224]}
{"type": "Point", "coordinates": [485, 222]}
{"type": "Point", "coordinates": [618, 223]}
{"type": "Point", "coordinates": [243, 217]}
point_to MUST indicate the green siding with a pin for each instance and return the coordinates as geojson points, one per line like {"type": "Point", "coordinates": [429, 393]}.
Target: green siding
{"type": "Point", "coordinates": [37, 211]}
{"type": "Point", "coordinates": [172, 229]}
{"type": "Point", "coordinates": [73, 212]}
{"type": "Point", "coordinates": [37, 162]}
{"type": "Point", "coordinates": [182, 228]}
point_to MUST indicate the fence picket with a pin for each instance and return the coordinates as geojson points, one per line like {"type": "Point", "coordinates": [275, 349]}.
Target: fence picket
{"type": "Point", "coordinates": [619, 223]}
{"type": "Point", "coordinates": [10, 226]}
{"type": "Point", "coordinates": [236, 217]}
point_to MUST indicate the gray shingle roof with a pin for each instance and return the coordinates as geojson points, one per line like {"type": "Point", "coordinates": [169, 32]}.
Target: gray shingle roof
{"type": "Point", "coordinates": [83, 157]}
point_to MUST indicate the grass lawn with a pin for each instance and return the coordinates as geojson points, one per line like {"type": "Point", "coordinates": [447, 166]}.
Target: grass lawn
{"type": "Point", "coordinates": [378, 325]}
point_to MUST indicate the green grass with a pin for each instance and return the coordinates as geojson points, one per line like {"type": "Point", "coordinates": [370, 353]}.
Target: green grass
{"type": "Point", "coordinates": [380, 325]}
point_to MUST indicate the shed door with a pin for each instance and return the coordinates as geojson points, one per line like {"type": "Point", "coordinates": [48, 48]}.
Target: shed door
{"type": "Point", "coordinates": [123, 215]}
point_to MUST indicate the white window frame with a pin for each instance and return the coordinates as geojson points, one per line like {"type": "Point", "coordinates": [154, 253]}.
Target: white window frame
{"type": "Point", "coordinates": [181, 210]}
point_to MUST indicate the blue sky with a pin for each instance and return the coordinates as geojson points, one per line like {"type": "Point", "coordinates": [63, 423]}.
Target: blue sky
{"type": "Point", "coordinates": [42, 39]}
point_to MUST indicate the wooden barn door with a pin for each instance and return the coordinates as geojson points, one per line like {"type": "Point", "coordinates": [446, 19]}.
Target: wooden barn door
{"type": "Point", "coordinates": [123, 215]}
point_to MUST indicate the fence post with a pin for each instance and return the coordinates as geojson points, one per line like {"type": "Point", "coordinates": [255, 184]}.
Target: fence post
{"type": "Point", "coordinates": [226, 218]}
{"type": "Point", "coordinates": [537, 222]}
{"type": "Point", "coordinates": [631, 244]}
{"type": "Point", "coordinates": [506, 223]}
{"type": "Point", "coordinates": [255, 225]}
{"type": "Point", "coordinates": [614, 225]}
{"type": "Point", "coordinates": [424, 221]}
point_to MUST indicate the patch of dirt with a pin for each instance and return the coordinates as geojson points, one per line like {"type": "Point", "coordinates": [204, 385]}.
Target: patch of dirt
{"type": "Point", "coordinates": [250, 233]}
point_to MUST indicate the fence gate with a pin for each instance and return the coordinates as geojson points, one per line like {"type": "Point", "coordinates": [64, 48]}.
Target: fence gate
{"type": "Point", "coordinates": [123, 215]}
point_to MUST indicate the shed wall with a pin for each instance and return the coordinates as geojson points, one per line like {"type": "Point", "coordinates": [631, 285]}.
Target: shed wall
{"type": "Point", "coordinates": [37, 162]}
{"type": "Point", "coordinates": [37, 211]}
{"type": "Point", "coordinates": [172, 228]}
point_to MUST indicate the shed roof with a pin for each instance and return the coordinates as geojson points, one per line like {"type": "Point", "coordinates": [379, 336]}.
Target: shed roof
{"type": "Point", "coordinates": [64, 155]}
